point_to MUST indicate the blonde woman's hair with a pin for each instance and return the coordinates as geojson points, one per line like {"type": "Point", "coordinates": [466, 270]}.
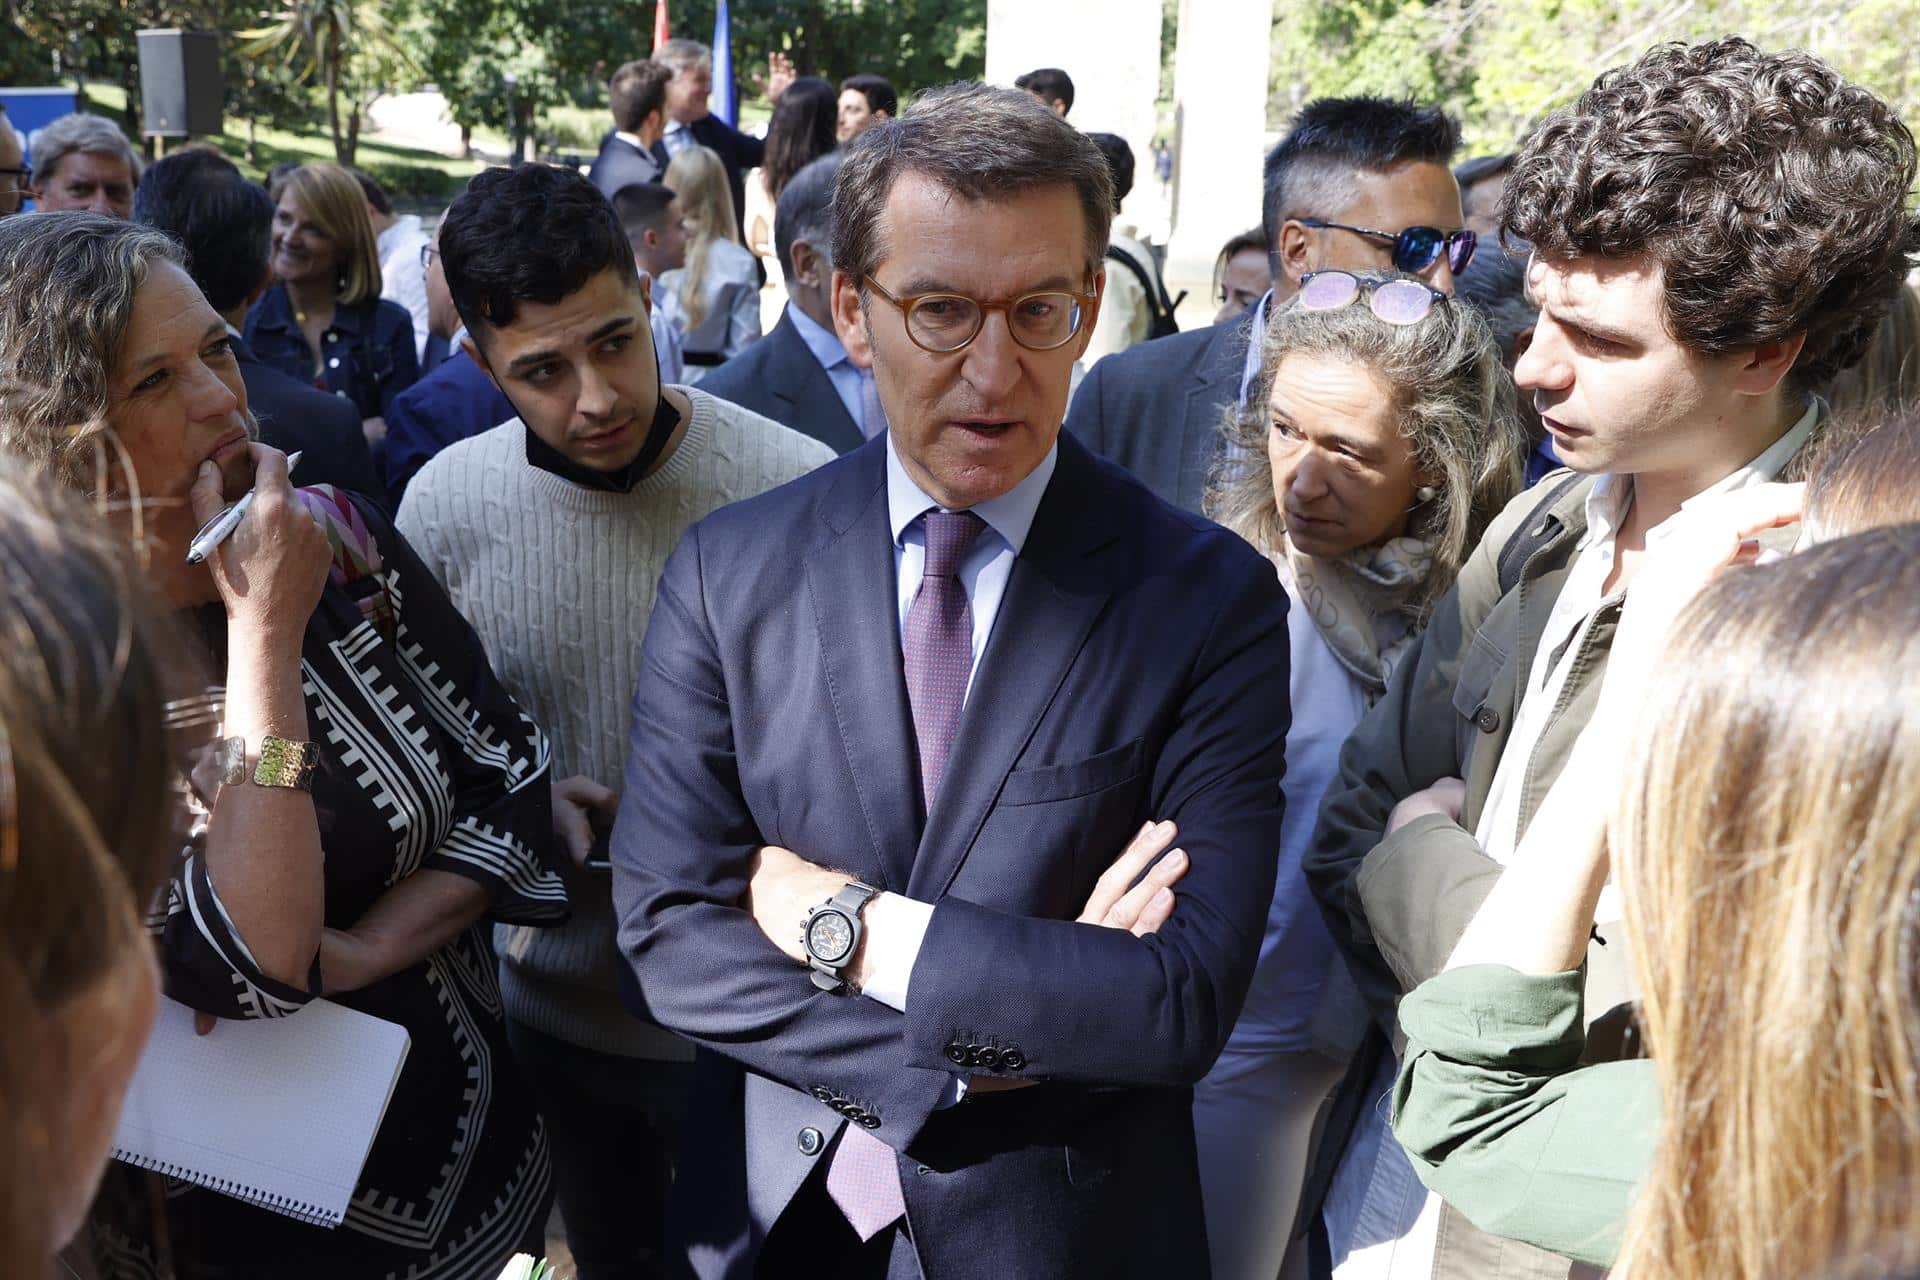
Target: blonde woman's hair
{"type": "Point", "coordinates": [332, 198]}
{"type": "Point", "coordinates": [1768, 850]}
{"type": "Point", "coordinates": [699, 178]}
{"type": "Point", "coordinates": [88, 814]}
{"type": "Point", "coordinates": [1862, 474]}
{"type": "Point", "coordinates": [1887, 377]}
{"type": "Point", "coordinates": [1453, 401]}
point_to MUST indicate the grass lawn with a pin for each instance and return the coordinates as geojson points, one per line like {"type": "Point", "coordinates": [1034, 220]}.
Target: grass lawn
{"type": "Point", "coordinates": [411, 174]}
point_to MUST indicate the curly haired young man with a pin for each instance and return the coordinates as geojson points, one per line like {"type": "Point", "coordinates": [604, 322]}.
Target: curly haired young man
{"type": "Point", "coordinates": [1716, 231]}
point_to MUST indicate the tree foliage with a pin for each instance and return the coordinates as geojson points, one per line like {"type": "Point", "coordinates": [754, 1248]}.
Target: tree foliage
{"type": "Point", "coordinates": [1502, 64]}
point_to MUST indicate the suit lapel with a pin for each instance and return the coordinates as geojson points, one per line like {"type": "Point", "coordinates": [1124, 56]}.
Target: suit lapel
{"type": "Point", "coordinates": [851, 581]}
{"type": "Point", "coordinates": [802, 383]}
{"type": "Point", "coordinates": [1053, 597]}
{"type": "Point", "coordinates": [1217, 383]}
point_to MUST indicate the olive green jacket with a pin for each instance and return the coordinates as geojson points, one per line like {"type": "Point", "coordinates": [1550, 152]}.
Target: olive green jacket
{"type": "Point", "coordinates": [1447, 714]}
{"type": "Point", "coordinates": [1500, 1120]}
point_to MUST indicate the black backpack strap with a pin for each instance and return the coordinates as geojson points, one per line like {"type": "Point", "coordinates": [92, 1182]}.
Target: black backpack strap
{"type": "Point", "coordinates": [1161, 307]}
{"type": "Point", "coordinates": [1534, 533]}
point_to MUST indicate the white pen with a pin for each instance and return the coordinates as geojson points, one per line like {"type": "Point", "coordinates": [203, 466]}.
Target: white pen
{"type": "Point", "coordinates": [221, 527]}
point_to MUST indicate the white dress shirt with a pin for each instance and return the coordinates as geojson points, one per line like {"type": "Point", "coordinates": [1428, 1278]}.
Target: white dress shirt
{"type": "Point", "coordinates": [983, 575]}
{"type": "Point", "coordinates": [403, 278]}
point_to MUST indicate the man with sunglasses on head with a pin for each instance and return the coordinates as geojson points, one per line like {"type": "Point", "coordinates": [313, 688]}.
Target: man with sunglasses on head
{"type": "Point", "coordinates": [1358, 184]}
{"type": "Point", "coordinates": [1688, 308]}
{"type": "Point", "coordinates": [893, 724]}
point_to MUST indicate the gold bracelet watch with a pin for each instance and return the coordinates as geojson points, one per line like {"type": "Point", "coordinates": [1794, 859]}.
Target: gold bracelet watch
{"type": "Point", "coordinates": [282, 763]}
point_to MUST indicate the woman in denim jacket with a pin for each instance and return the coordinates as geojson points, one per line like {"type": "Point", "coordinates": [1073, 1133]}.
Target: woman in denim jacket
{"type": "Point", "coordinates": [323, 321]}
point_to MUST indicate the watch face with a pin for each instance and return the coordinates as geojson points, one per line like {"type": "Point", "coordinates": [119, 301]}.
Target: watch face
{"type": "Point", "coordinates": [830, 937]}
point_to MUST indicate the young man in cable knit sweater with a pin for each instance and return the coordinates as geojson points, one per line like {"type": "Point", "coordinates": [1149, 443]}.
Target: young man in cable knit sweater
{"type": "Point", "coordinates": [550, 532]}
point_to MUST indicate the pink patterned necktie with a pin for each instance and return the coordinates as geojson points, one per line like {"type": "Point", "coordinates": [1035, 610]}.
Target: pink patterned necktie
{"type": "Point", "coordinates": [937, 649]}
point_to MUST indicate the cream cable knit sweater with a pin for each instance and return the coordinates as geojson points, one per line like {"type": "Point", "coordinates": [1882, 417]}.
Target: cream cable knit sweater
{"type": "Point", "coordinates": [559, 581]}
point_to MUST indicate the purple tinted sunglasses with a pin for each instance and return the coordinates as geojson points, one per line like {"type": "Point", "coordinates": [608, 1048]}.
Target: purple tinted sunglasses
{"type": "Point", "coordinates": [1396, 301]}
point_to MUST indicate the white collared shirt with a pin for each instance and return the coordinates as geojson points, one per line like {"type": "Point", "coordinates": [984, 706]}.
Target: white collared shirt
{"type": "Point", "coordinates": [1572, 617]}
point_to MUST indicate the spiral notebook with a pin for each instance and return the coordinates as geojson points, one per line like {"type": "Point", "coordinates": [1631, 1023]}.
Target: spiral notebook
{"type": "Point", "coordinates": [278, 1112]}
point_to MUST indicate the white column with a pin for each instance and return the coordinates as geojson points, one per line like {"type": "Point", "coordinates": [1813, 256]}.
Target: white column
{"type": "Point", "coordinates": [1220, 96]}
{"type": "Point", "coordinates": [1111, 48]}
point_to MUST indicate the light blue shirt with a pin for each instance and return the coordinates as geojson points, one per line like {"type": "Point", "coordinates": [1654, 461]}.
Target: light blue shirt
{"type": "Point", "coordinates": [825, 345]}
{"type": "Point", "coordinates": [988, 563]}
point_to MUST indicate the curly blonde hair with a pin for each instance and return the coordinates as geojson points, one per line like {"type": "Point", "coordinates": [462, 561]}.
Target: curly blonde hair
{"type": "Point", "coordinates": [1453, 401]}
{"type": "Point", "coordinates": [67, 285]}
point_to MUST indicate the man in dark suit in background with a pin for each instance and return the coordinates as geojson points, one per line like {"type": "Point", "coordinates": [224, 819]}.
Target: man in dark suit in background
{"type": "Point", "coordinates": [963, 663]}
{"type": "Point", "coordinates": [633, 152]}
{"type": "Point", "coordinates": [1349, 168]}
{"type": "Point", "coordinates": [800, 374]}
{"type": "Point", "coordinates": [199, 198]}
{"type": "Point", "coordinates": [689, 122]}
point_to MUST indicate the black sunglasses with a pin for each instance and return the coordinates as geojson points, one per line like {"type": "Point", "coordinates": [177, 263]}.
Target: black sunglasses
{"type": "Point", "coordinates": [1416, 248]}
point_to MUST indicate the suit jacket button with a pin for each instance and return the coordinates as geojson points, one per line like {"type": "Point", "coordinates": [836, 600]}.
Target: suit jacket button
{"type": "Point", "coordinates": [988, 1057]}
{"type": "Point", "coordinates": [811, 1140]}
{"type": "Point", "coordinates": [1486, 719]}
{"type": "Point", "coordinates": [957, 1054]}
{"type": "Point", "coordinates": [823, 1093]}
{"type": "Point", "coordinates": [1011, 1059]}
{"type": "Point", "coordinates": [867, 1120]}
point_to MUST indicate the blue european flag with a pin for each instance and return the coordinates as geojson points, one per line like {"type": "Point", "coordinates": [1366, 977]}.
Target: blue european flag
{"type": "Point", "coordinates": [726, 102]}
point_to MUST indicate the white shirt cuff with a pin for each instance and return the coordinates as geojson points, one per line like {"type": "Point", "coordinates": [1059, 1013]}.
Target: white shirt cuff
{"type": "Point", "coordinates": [893, 948]}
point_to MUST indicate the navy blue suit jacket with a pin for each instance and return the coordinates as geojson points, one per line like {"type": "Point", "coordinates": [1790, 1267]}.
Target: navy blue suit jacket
{"type": "Point", "coordinates": [453, 402]}
{"type": "Point", "coordinates": [778, 378]}
{"type": "Point", "coordinates": [1137, 669]}
{"type": "Point", "coordinates": [1155, 408]}
{"type": "Point", "coordinates": [622, 164]}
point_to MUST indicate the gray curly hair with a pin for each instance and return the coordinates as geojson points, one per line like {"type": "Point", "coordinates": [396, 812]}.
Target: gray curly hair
{"type": "Point", "coordinates": [67, 284]}
{"type": "Point", "coordinates": [1453, 402]}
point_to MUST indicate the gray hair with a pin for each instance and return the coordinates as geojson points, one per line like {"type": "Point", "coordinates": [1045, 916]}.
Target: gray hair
{"type": "Point", "coordinates": [67, 286]}
{"type": "Point", "coordinates": [1453, 401]}
{"type": "Point", "coordinates": [1496, 285]}
{"type": "Point", "coordinates": [681, 54]}
{"type": "Point", "coordinates": [980, 142]}
{"type": "Point", "coordinates": [805, 211]}
{"type": "Point", "coordinates": [95, 135]}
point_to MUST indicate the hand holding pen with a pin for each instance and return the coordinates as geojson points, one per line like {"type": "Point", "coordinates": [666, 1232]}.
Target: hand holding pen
{"type": "Point", "coordinates": [268, 557]}
{"type": "Point", "coordinates": [215, 531]}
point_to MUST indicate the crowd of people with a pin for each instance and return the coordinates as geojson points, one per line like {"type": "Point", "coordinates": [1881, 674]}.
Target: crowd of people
{"type": "Point", "coordinates": [1412, 779]}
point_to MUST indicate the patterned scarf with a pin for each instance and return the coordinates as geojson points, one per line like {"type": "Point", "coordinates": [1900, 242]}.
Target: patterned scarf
{"type": "Point", "coordinates": [1360, 604]}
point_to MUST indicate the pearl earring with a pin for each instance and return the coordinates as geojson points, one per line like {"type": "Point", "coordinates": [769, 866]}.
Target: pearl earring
{"type": "Point", "coordinates": [1426, 493]}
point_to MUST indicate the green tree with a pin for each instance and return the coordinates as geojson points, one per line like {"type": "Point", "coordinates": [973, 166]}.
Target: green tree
{"type": "Point", "coordinates": [349, 47]}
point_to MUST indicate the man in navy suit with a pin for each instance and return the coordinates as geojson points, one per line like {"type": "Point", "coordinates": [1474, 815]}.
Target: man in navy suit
{"type": "Point", "coordinates": [1348, 169]}
{"type": "Point", "coordinates": [691, 123]}
{"type": "Point", "coordinates": [918, 700]}
{"type": "Point", "coordinates": [800, 374]}
{"type": "Point", "coordinates": [633, 152]}
{"type": "Point", "coordinates": [456, 398]}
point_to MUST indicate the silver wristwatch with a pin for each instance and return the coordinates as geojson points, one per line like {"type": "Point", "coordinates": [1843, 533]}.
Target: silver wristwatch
{"type": "Point", "coordinates": [833, 934]}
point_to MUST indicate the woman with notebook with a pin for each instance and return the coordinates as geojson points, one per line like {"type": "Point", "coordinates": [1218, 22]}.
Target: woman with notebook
{"type": "Point", "coordinates": [375, 799]}
{"type": "Point", "coordinates": [86, 822]}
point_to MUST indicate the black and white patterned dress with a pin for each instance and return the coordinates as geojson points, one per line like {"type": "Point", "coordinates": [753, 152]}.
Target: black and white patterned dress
{"type": "Point", "coordinates": [426, 762]}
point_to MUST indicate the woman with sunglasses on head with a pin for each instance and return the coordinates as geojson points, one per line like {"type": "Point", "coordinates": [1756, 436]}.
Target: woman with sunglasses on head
{"type": "Point", "coordinates": [1380, 439]}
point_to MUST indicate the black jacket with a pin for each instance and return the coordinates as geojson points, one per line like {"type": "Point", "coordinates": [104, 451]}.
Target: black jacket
{"type": "Point", "coordinates": [326, 429]}
{"type": "Point", "coordinates": [779, 378]}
